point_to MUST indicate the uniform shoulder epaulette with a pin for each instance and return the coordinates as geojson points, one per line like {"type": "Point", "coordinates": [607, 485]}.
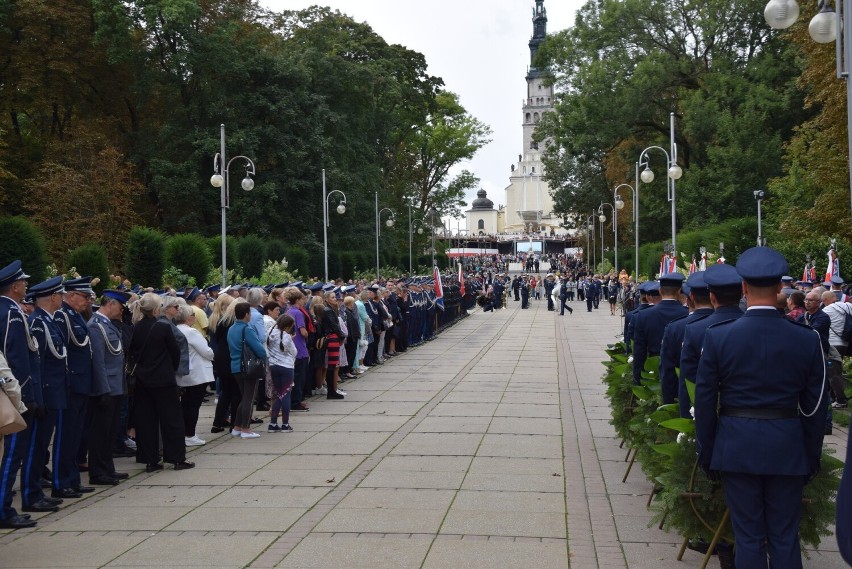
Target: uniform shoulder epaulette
{"type": "Point", "coordinates": [722, 323]}
{"type": "Point", "coordinates": [702, 317]}
{"type": "Point", "coordinates": [677, 319]}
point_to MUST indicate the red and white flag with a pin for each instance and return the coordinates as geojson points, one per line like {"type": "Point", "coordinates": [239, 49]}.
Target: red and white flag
{"type": "Point", "coordinates": [833, 265]}
{"type": "Point", "coordinates": [461, 280]}
{"type": "Point", "coordinates": [692, 266]}
{"type": "Point", "coordinates": [439, 288]}
{"type": "Point", "coordinates": [702, 264]}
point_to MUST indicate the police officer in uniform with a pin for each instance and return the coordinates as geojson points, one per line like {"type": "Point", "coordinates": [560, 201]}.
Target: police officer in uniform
{"type": "Point", "coordinates": [765, 375]}
{"type": "Point", "coordinates": [107, 387]}
{"type": "Point", "coordinates": [71, 420]}
{"type": "Point", "coordinates": [725, 287]}
{"type": "Point", "coordinates": [47, 296]}
{"type": "Point", "coordinates": [648, 291]}
{"type": "Point", "coordinates": [650, 324]}
{"type": "Point", "coordinates": [698, 296]}
{"type": "Point", "coordinates": [21, 352]}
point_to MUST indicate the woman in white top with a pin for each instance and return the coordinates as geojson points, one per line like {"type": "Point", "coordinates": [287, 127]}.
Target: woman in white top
{"type": "Point", "coordinates": [282, 361]}
{"type": "Point", "coordinates": [194, 384]}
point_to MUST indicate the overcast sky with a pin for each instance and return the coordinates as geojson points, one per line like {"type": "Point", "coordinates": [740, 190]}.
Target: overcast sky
{"type": "Point", "coordinates": [478, 47]}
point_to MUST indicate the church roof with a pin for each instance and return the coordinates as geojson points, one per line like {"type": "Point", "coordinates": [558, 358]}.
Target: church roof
{"type": "Point", "coordinates": [482, 202]}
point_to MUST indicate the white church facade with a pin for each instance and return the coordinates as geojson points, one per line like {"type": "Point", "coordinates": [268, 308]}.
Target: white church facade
{"type": "Point", "coordinates": [529, 205]}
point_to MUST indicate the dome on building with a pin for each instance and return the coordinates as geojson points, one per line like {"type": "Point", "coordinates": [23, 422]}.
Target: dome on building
{"type": "Point", "coordinates": [482, 202]}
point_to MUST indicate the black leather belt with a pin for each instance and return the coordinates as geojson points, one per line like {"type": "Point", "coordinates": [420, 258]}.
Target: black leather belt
{"type": "Point", "coordinates": [759, 413]}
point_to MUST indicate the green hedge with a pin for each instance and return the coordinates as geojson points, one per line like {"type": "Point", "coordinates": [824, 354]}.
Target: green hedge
{"type": "Point", "coordinates": [23, 240]}
{"type": "Point", "coordinates": [214, 244]}
{"type": "Point", "coordinates": [90, 260]}
{"type": "Point", "coordinates": [297, 261]}
{"type": "Point", "coordinates": [276, 249]}
{"type": "Point", "coordinates": [190, 254]}
{"type": "Point", "coordinates": [146, 256]}
{"type": "Point", "coordinates": [251, 251]}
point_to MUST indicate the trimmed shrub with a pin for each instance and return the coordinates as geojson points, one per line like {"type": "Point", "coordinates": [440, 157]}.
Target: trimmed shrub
{"type": "Point", "coordinates": [347, 264]}
{"type": "Point", "coordinates": [276, 249]}
{"type": "Point", "coordinates": [90, 259]}
{"type": "Point", "coordinates": [146, 256]}
{"type": "Point", "coordinates": [316, 266]}
{"type": "Point", "coordinates": [251, 251]}
{"type": "Point", "coordinates": [297, 261]}
{"type": "Point", "coordinates": [188, 252]}
{"type": "Point", "coordinates": [215, 246]}
{"type": "Point", "coordinates": [23, 240]}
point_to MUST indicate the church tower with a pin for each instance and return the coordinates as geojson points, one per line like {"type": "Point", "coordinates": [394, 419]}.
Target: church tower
{"type": "Point", "coordinates": [529, 205]}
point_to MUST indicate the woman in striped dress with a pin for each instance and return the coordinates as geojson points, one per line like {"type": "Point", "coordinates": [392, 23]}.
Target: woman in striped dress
{"type": "Point", "coordinates": [334, 336]}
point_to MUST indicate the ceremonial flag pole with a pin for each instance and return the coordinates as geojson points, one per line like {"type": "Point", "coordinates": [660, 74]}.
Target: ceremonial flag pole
{"type": "Point", "coordinates": [461, 280]}
{"type": "Point", "coordinates": [439, 288]}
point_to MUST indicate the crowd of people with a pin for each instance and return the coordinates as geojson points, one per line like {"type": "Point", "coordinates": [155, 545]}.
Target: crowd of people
{"type": "Point", "coordinates": [125, 375]}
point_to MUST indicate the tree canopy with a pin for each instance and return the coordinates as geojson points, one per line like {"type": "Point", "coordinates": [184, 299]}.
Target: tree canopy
{"type": "Point", "coordinates": [111, 114]}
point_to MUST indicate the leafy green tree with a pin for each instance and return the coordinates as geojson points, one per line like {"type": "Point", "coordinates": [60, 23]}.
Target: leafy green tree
{"type": "Point", "coordinates": [90, 259]}
{"type": "Point", "coordinates": [214, 244]}
{"type": "Point", "coordinates": [22, 240]}
{"type": "Point", "coordinates": [146, 256]}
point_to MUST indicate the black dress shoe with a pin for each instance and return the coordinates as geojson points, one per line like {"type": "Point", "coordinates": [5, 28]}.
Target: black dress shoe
{"type": "Point", "coordinates": [256, 421]}
{"type": "Point", "coordinates": [41, 506]}
{"type": "Point", "coordinates": [103, 481]}
{"type": "Point", "coordinates": [334, 395]}
{"type": "Point", "coordinates": [119, 475]}
{"type": "Point", "coordinates": [66, 493]}
{"type": "Point", "coordinates": [125, 452]}
{"type": "Point", "coordinates": [184, 465]}
{"type": "Point", "coordinates": [153, 467]}
{"type": "Point", "coordinates": [52, 501]}
{"type": "Point", "coordinates": [217, 429]}
{"type": "Point", "coordinates": [17, 522]}
{"type": "Point", "coordinates": [84, 489]}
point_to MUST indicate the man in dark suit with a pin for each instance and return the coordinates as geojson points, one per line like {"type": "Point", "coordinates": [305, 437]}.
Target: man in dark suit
{"type": "Point", "coordinates": [107, 387]}
{"type": "Point", "coordinates": [725, 286]}
{"type": "Point", "coordinates": [650, 324]}
{"type": "Point", "coordinates": [759, 415]}
{"type": "Point", "coordinates": [698, 301]}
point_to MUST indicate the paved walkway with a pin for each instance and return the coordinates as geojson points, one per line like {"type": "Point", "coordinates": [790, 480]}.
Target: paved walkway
{"type": "Point", "coordinates": [488, 447]}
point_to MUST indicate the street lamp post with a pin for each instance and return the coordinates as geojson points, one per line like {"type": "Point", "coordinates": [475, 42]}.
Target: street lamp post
{"type": "Point", "coordinates": [619, 204]}
{"type": "Point", "coordinates": [825, 27]}
{"type": "Point", "coordinates": [759, 195]}
{"type": "Point", "coordinates": [602, 219]}
{"type": "Point", "coordinates": [674, 172]}
{"type": "Point", "coordinates": [411, 224]}
{"type": "Point", "coordinates": [379, 229]}
{"type": "Point", "coordinates": [219, 179]}
{"type": "Point", "coordinates": [341, 209]}
{"type": "Point", "coordinates": [432, 213]}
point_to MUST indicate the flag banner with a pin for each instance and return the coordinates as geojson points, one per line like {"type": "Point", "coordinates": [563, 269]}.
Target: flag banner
{"type": "Point", "coordinates": [439, 288]}
{"type": "Point", "coordinates": [702, 265]}
{"type": "Point", "coordinates": [461, 280]}
{"type": "Point", "coordinates": [672, 266]}
{"type": "Point", "coordinates": [692, 266]}
{"type": "Point", "coordinates": [833, 265]}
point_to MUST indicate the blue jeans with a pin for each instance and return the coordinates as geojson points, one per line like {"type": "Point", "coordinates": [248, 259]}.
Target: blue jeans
{"type": "Point", "coordinates": [282, 382]}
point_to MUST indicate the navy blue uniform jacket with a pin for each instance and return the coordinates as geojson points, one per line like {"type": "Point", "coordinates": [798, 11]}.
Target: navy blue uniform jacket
{"type": "Point", "coordinates": [761, 361]}
{"type": "Point", "coordinates": [670, 352]}
{"type": "Point", "coordinates": [648, 328]}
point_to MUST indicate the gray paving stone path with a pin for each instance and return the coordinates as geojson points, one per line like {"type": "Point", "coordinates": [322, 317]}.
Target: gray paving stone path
{"type": "Point", "coordinates": [487, 447]}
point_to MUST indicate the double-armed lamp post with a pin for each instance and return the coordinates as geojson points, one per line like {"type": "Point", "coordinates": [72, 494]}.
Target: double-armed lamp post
{"type": "Point", "coordinates": [341, 209]}
{"type": "Point", "coordinates": [219, 179]}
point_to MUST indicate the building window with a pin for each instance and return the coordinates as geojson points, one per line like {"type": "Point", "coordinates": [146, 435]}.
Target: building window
{"type": "Point", "coordinates": [528, 117]}
{"type": "Point", "coordinates": [480, 224]}
{"type": "Point", "coordinates": [535, 117]}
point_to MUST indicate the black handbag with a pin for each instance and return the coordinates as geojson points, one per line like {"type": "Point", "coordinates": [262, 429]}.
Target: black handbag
{"type": "Point", "coordinates": [251, 366]}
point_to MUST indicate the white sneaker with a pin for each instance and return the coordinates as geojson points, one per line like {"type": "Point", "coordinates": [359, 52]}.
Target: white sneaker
{"type": "Point", "coordinates": [250, 435]}
{"type": "Point", "coordinates": [236, 433]}
{"type": "Point", "coordinates": [364, 368]}
{"type": "Point", "coordinates": [341, 392]}
{"type": "Point", "coordinates": [323, 390]}
{"type": "Point", "coordinates": [131, 444]}
{"type": "Point", "coordinates": [194, 441]}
